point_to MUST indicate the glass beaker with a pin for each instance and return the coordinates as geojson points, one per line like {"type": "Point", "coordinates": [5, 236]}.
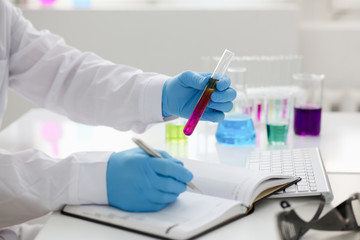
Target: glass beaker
{"type": "Point", "coordinates": [174, 130]}
{"type": "Point", "coordinates": [308, 102]}
{"type": "Point", "coordinates": [82, 3]}
{"type": "Point", "coordinates": [237, 128]}
{"type": "Point", "coordinates": [278, 105]}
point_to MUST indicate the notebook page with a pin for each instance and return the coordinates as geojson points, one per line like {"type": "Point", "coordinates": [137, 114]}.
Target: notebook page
{"type": "Point", "coordinates": [189, 215]}
{"type": "Point", "coordinates": [229, 182]}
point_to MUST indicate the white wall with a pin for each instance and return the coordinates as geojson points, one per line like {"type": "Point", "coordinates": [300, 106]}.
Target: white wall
{"type": "Point", "coordinates": [169, 40]}
{"type": "Point", "coordinates": [332, 49]}
{"type": "Point", "coordinates": [330, 44]}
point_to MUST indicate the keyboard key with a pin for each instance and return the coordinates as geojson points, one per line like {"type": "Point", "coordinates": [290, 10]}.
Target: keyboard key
{"type": "Point", "coordinates": [254, 166]}
{"type": "Point", "coordinates": [290, 189]}
{"type": "Point", "coordinates": [303, 188]}
{"type": "Point", "coordinates": [302, 183]}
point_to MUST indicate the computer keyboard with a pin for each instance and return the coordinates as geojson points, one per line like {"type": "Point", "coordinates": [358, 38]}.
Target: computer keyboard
{"type": "Point", "coordinates": [302, 162]}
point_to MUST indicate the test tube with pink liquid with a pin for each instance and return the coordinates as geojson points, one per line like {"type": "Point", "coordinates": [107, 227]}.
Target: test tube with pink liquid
{"type": "Point", "coordinates": [208, 91]}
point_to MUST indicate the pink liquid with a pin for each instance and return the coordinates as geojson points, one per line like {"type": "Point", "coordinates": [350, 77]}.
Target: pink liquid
{"type": "Point", "coordinates": [200, 107]}
{"type": "Point", "coordinates": [259, 112]}
{"type": "Point", "coordinates": [47, 2]}
{"type": "Point", "coordinates": [307, 120]}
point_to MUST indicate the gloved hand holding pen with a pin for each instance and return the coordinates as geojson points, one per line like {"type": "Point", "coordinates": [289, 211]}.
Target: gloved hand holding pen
{"type": "Point", "coordinates": [181, 93]}
{"type": "Point", "coordinates": [140, 183]}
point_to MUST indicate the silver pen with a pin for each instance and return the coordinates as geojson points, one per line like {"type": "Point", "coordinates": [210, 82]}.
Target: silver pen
{"type": "Point", "coordinates": [153, 153]}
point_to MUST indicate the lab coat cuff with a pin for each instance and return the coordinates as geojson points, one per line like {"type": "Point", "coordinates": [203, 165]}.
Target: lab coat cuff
{"type": "Point", "coordinates": [92, 178]}
{"type": "Point", "coordinates": [152, 99]}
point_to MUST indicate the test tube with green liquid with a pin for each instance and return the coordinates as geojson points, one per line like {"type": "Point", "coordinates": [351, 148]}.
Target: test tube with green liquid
{"type": "Point", "coordinates": [204, 100]}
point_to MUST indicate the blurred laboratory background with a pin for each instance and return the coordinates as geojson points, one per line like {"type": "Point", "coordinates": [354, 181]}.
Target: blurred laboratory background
{"type": "Point", "coordinates": [272, 39]}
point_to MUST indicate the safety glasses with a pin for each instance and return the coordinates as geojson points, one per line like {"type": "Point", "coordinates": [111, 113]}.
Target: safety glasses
{"type": "Point", "coordinates": [344, 217]}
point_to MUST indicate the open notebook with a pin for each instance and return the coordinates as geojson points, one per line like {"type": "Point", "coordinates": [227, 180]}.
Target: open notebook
{"type": "Point", "coordinates": [228, 193]}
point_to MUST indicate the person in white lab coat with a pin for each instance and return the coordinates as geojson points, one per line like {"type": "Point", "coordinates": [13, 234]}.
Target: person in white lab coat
{"type": "Point", "coordinates": [90, 90]}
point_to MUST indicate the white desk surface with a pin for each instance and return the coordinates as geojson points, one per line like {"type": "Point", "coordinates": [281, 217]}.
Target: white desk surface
{"type": "Point", "coordinates": [338, 143]}
{"type": "Point", "coordinates": [259, 225]}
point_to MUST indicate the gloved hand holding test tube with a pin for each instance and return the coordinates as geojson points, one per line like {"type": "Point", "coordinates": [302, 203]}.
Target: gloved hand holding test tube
{"type": "Point", "coordinates": [204, 100]}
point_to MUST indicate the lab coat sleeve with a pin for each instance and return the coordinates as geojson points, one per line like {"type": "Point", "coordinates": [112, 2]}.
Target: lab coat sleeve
{"type": "Point", "coordinates": [81, 85]}
{"type": "Point", "coordinates": [33, 183]}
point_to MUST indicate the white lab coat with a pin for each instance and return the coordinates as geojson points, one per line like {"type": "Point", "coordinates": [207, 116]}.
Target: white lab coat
{"type": "Point", "coordinates": [82, 86]}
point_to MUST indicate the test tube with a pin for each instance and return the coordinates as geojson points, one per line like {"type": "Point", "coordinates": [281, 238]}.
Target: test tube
{"type": "Point", "coordinates": [204, 100]}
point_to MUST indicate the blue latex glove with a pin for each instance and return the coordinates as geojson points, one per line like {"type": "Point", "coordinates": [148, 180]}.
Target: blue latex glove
{"type": "Point", "coordinates": [181, 93]}
{"type": "Point", "coordinates": [139, 183]}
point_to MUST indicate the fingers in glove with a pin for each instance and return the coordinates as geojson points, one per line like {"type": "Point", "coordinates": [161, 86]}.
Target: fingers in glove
{"type": "Point", "coordinates": [224, 83]}
{"type": "Point", "coordinates": [221, 107]}
{"type": "Point", "coordinates": [194, 80]}
{"type": "Point", "coordinates": [170, 168]}
{"type": "Point", "coordinates": [227, 95]}
{"type": "Point", "coordinates": [157, 197]}
{"type": "Point", "coordinates": [163, 183]}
